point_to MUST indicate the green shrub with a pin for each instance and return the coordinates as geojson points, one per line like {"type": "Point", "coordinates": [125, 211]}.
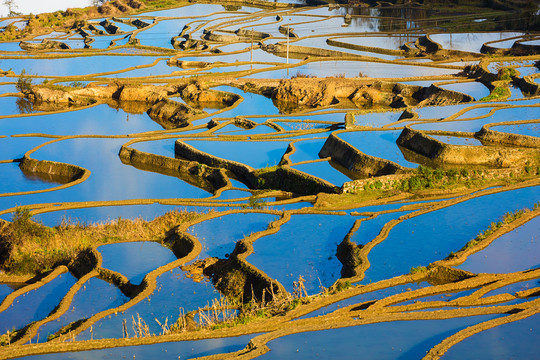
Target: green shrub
{"type": "Point", "coordinates": [417, 269]}
{"type": "Point", "coordinates": [343, 285]}
{"type": "Point", "coordinates": [24, 84]}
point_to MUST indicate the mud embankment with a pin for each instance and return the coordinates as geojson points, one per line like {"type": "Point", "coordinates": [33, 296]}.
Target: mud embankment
{"type": "Point", "coordinates": [348, 253]}
{"type": "Point", "coordinates": [52, 170]}
{"type": "Point", "coordinates": [441, 153]}
{"type": "Point", "coordinates": [360, 164]}
{"type": "Point", "coordinates": [517, 49]}
{"type": "Point", "coordinates": [481, 74]}
{"type": "Point", "coordinates": [334, 42]}
{"type": "Point", "coordinates": [437, 96]}
{"type": "Point", "coordinates": [300, 52]}
{"type": "Point", "coordinates": [241, 35]}
{"type": "Point", "coordinates": [277, 177]}
{"type": "Point", "coordinates": [237, 278]}
{"type": "Point", "coordinates": [243, 172]}
{"type": "Point", "coordinates": [292, 180]}
{"type": "Point", "coordinates": [496, 137]}
{"type": "Point", "coordinates": [204, 177]}
{"type": "Point", "coordinates": [527, 85]}
{"type": "Point", "coordinates": [433, 49]}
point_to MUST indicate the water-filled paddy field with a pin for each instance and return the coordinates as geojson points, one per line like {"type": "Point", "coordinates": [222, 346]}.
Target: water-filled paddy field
{"type": "Point", "coordinates": [269, 180]}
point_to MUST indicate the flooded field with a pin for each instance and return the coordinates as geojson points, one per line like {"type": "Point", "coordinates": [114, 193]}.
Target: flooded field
{"type": "Point", "coordinates": [269, 180]}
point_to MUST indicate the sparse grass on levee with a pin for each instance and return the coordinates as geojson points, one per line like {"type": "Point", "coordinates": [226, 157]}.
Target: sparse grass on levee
{"type": "Point", "coordinates": [507, 218]}
{"type": "Point", "coordinates": [28, 247]}
{"type": "Point", "coordinates": [426, 182]}
{"type": "Point", "coordinates": [218, 315]}
{"type": "Point", "coordinates": [426, 179]}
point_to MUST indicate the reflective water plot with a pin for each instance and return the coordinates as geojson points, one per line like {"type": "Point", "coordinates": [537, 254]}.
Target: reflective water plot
{"type": "Point", "coordinates": [250, 152]}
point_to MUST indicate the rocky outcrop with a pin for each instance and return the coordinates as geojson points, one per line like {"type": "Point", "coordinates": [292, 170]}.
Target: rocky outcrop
{"type": "Point", "coordinates": [198, 95]}
{"type": "Point", "coordinates": [308, 92]}
{"type": "Point", "coordinates": [51, 95]}
{"type": "Point", "coordinates": [145, 93]}
{"type": "Point", "coordinates": [171, 114]}
{"type": "Point", "coordinates": [300, 93]}
{"type": "Point", "coordinates": [305, 92]}
{"type": "Point", "coordinates": [59, 94]}
{"type": "Point", "coordinates": [188, 44]}
{"type": "Point", "coordinates": [43, 45]}
{"type": "Point", "coordinates": [118, 7]}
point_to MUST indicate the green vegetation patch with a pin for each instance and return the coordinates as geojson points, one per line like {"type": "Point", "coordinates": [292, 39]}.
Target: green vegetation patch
{"type": "Point", "coordinates": [28, 247]}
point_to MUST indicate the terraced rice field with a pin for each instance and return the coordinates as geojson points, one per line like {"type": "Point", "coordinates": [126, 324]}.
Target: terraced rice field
{"type": "Point", "coordinates": [270, 180]}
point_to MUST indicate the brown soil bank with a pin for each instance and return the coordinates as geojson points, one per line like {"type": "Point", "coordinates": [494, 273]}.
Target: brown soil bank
{"type": "Point", "coordinates": [56, 171]}
{"type": "Point", "coordinates": [276, 177]}
{"type": "Point", "coordinates": [171, 114]}
{"type": "Point", "coordinates": [240, 280]}
{"type": "Point", "coordinates": [316, 92]}
{"type": "Point", "coordinates": [44, 45]}
{"type": "Point", "coordinates": [442, 153]}
{"type": "Point", "coordinates": [496, 137]}
{"type": "Point", "coordinates": [204, 177]}
{"type": "Point", "coordinates": [139, 98]}
{"type": "Point", "coordinates": [64, 94]}
{"type": "Point", "coordinates": [360, 164]}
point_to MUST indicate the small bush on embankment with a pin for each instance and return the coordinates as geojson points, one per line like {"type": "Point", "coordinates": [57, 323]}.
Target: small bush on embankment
{"type": "Point", "coordinates": [28, 247]}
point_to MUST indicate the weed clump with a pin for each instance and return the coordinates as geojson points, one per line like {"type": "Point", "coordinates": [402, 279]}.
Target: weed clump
{"type": "Point", "coordinates": [417, 269]}
{"type": "Point", "coordinates": [506, 73]}
{"type": "Point", "coordinates": [24, 83]}
{"type": "Point", "coordinates": [498, 93]}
